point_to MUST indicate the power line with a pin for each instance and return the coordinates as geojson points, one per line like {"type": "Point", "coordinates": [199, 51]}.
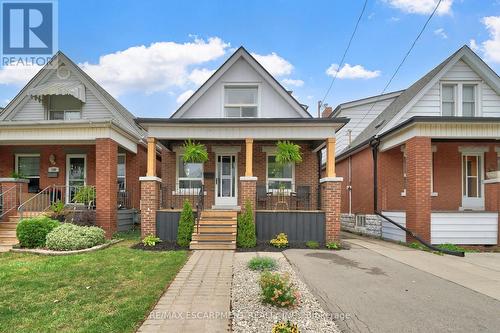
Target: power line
{"type": "Point", "coordinates": [402, 61]}
{"type": "Point", "coordinates": [345, 53]}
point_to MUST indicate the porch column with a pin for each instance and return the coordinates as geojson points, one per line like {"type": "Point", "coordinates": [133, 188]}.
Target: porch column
{"type": "Point", "coordinates": [330, 157]}
{"type": "Point", "coordinates": [248, 183]}
{"type": "Point", "coordinates": [331, 195]}
{"type": "Point", "coordinates": [106, 160]}
{"type": "Point", "coordinates": [150, 192]}
{"type": "Point", "coordinates": [249, 157]}
{"type": "Point", "coordinates": [418, 195]}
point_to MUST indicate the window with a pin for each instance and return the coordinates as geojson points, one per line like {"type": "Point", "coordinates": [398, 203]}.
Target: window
{"type": "Point", "coordinates": [448, 100]}
{"type": "Point", "coordinates": [468, 100]}
{"type": "Point", "coordinates": [121, 172]}
{"type": "Point", "coordinates": [64, 107]}
{"type": "Point", "coordinates": [189, 175]}
{"type": "Point", "coordinates": [279, 176]}
{"type": "Point", "coordinates": [28, 165]}
{"type": "Point", "coordinates": [240, 101]}
{"type": "Point", "coordinates": [361, 221]}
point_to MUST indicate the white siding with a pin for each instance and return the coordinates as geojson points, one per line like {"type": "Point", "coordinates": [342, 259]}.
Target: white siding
{"type": "Point", "coordinates": [31, 110]}
{"type": "Point", "coordinates": [430, 103]}
{"type": "Point", "coordinates": [210, 104]}
{"type": "Point", "coordinates": [464, 228]}
{"type": "Point", "coordinates": [360, 116]}
{"type": "Point", "coordinates": [390, 231]}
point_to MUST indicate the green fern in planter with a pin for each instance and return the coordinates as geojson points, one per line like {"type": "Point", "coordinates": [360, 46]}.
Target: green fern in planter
{"type": "Point", "coordinates": [194, 152]}
{"type": "Point", "coordinates": [288, 152]}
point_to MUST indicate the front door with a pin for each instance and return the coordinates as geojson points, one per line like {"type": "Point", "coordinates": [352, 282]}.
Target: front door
{"type": "Point", "coordinates": [472, 181]}
{"type": "Point", "coordinates": [225, 180]}
{"type": "Point", "coordinates": [76, 174]}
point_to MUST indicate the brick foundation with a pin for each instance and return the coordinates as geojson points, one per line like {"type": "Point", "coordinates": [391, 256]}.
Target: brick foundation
{"type": "Point", "coordinates": [330, 204]}
{"type": "Point", "coordinates": [106, 185]}
{"type": "Point", "coordinates": [150, 202]}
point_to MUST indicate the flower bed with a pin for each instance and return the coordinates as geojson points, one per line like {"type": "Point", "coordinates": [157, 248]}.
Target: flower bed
{"type": "Point", "coordinates": [250, 314]}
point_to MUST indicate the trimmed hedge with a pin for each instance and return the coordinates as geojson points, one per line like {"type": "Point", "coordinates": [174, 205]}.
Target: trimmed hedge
{"type": "Point", "coordinates": [245, 237]}
{"type": "Point", "coordinates": [69, 237]}
{"type": "Point", "coordinates": [32, 232]}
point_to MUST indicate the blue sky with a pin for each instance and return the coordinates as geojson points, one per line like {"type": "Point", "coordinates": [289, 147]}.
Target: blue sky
{"type": "Point", "coordinates": [152, 54]}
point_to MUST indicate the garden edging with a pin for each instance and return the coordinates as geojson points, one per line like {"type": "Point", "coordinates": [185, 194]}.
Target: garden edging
{"type": "Point", "coordinates": [64, 253]}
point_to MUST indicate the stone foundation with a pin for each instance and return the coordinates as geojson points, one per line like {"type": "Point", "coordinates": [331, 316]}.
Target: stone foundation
{"type": "Point", "coordinates": [373, 225]}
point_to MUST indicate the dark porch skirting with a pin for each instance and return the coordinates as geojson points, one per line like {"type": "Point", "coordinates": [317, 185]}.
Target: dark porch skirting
{"type": "Point", "coordinates": [299, 226]}
{"type": "Point", "coordinates": [167, 222]}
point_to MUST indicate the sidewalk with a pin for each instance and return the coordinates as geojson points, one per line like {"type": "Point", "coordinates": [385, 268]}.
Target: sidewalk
{"type": "Point", "coordinates": [477, 271]}
{"type": "Point", "coordinates": [198, 300]}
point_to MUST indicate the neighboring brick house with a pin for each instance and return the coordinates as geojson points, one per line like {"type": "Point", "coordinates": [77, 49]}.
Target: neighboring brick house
{"type": "Point", "coordinates": [63, 131]}
{"type": "Point", "coordinates": [437, 152]}
{"type": "Point", "coordinates": [239, 114]}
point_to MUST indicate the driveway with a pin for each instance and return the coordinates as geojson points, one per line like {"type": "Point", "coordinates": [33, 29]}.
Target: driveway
{"type": "Point", "coordinates": [383, 287]}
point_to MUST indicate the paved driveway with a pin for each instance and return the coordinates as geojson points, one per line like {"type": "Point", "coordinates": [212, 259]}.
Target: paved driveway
{"type": "Point", "coordinates": [377, 293]}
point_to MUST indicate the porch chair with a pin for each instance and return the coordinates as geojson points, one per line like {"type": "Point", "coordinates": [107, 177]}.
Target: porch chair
{"type": "Point", "coordinates": [262, 195]}
{"type": "Point", "coordinates": [303, 196]}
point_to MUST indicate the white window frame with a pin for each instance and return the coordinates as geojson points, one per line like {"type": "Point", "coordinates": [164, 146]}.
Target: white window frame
{"type": "Point", "coordinates": [292, 189]}
{"type": "Point", "coordinates": [125, 168]}
{"type": "Point", "coordinates": [458, 93]}
{"type": "Point", "coordinates": [64, 112]}
{"type": "Point", "coordinates": [360, 221]}
{"type": "Point", "coordinates": [185, 191]}
{"type": "Point", "coordinates": [240, 84]}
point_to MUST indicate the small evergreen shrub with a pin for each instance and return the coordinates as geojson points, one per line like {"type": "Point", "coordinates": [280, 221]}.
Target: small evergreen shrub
{"type": "Point", "coordinates": [281, 241]}
{"type": "Point", "coordinates": [262, 264]}
{"type": "Point", "coordinates": [85, 195]}
{"type": "Point", "coordinates": [312, 244]}
{"type": "Point", "coordinates": [333, 246]}
{"type": "Point", "coordinates": [278, 291]}
{"type": "Point", "coordinates": [186, 225]}
{"type": "Point", "coordinates": [32, 232]}
{"type": "Point", "coordinates": [69, 237]}
{"type": "Point", "coordinates": [285, 327]}
{"type": "Point", "coordinates": [150, 240]}
{"type": "Point", "coordinates": [245, 236]}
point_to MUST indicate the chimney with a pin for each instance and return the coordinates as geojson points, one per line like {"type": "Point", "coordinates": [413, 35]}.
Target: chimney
{"type": "Point", "coordinates": [327, 112]}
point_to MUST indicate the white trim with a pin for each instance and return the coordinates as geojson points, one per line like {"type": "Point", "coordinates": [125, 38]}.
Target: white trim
{"type": "Point", "coordinates": [248, 178]}
{"type": "Point", "coordinates": [497, 150]}
{"type": "Point", "coordinates": [150, 178]}
{"type": "Point", "coordinates": [331, 179]}
{"type": "Point", "coordinates": [226, 149]}
{"type": "Point", "coordinates": [178, 179]}
{"type": "Point", "coordinates": [473, 149]}
{"type": "Point", "coordinates": [458, 96]}
{"type": "Point", "coordinates": [269, 149]}
{"type": "Point", "coordinates": [226, 201]}
{"type": "Point", "coordinates": [68, 157]}
{"type": "Point", "coordinates": [241, 84]}
{"type": "Point", "coordinates": [474, 203]}
{"type": "Point", "coordinates": [292, 180]}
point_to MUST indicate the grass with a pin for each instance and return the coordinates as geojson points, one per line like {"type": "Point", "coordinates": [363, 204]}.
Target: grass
{"type": "Point", "coordinates": [111, 290]}
{"type": "Point", "coordinates": [447, 246]}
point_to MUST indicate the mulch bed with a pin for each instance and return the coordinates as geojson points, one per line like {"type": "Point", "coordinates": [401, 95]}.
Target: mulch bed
{"type": "Point", "coordinates": [267, 247]}
{"type": "Point", "coordinates": [162, 246]}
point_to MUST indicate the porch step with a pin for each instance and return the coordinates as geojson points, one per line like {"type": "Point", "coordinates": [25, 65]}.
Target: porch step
{"type": "Point", "coordinates": [223, 221]}
{"type": "Point", "coordinates": [8, 240]}
{"type": "Point", "coordinates": [195, 245]}
{"type": "Point", "coordinates": [218, 214]}
{"type": "Point", "coordinates": [216, 229]}
{"type": "Point", "coordinates": [8, 225]}
{"type": "Point", "coordinates": [7, 233]}
{"type": "Point", "coordinates": [214, 237]}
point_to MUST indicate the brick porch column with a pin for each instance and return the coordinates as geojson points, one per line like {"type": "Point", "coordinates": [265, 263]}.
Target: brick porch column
{"type": "Point", "coordinates": [106, 160]}
{"type": "Point", "coordinates": [418, 195]}
{"type": "Point", "coordinates": [248, 183]}
{"type": "Point", "coordinates": [150, 193]}
{"type": "Point", "coordinates": [330, 204]}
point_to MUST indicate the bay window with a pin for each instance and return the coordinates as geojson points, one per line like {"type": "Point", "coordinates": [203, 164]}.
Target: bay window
{"type": "Point", "coordinates": [279, 176]}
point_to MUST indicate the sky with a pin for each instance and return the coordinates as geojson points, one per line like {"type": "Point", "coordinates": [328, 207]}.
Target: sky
{"type": "Point", "coordinates": [151, 55]}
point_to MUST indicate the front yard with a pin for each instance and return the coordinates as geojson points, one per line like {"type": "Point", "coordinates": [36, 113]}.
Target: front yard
{"type": "Point", "coordinates": [111, 290]}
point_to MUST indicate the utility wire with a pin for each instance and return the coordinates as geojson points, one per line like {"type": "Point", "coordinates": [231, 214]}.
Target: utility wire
{"type": "Point", "coordinates": [345, 53]}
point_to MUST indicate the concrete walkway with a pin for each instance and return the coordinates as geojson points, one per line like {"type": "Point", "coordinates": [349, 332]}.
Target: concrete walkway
{"type": "Point", "coordinates": [477, 271]}
{"type": "Point", "coordinates": [198, 300]}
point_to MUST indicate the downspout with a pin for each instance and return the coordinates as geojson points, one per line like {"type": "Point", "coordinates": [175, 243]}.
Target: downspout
{"type": "Point", "coordinates": [320, 168]}
{"type": "Point", "coordinates": [374, 143]}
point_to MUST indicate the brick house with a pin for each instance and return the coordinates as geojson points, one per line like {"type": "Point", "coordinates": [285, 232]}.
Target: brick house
{"type": "Point", "coordinates": [61, 132]}
{"type": "Point", "coordinates": [239, 114]}
{"type": "Point", "coordinates": [436, 152]}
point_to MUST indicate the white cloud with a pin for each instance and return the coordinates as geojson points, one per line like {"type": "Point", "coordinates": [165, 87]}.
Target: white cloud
{"type": "Point", "coordinates": [421, 6]}
{"type": "Point", "coordinates": [184, 96]}
{"type": "Point", "coordinates": [490, 47]}
{"type": "Point", "coordinates": [352, 72]}
{"type": "Point", "coordinates": [18, 75]}
{"type": "Point", "coordinates": [292, 82]}
{"type": "Point", "coordinates": [156, 67]}
{"type": "Point", "coordinates": [441, 33]}
{"type": "Point", "coordinates": [199, 76]}
{"type": "Point", "coordinates": [274, 64]}
{"type": "Point", "coordinates": [394, 19]}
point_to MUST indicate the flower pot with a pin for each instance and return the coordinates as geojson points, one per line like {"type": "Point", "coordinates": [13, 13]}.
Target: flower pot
{"type": "Point", "coordinates": [493, 174]}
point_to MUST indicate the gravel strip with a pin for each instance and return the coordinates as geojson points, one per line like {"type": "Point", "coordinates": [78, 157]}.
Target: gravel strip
{"type": "Point", "coordinates": [251, 315]}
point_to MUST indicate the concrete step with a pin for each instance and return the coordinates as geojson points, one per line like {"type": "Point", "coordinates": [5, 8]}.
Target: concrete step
{"type": "Point", "coordinates": [214, 237]}
{"type": "Point", "coordinates": [216, 229]}
{"type": "Point", "coordinates": [195, 245]}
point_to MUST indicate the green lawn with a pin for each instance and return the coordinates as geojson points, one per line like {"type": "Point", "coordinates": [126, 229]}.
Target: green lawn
{"type": "Point", "coordinates": [111, 290]}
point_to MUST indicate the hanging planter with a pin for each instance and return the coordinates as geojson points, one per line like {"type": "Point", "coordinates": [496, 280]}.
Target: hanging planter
{"type": "Point", "coordinates": [288, 152]}
{"type": "Point", "coordinates": [194, 152]}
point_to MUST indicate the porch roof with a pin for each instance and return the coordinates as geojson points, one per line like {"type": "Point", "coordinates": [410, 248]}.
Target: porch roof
{"type": "Point", "coordinates": [242, 128]}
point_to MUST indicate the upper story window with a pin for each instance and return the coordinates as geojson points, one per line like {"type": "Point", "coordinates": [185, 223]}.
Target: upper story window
{"type": "Point", "coordinates": [64, 107]}
{"type": "Point", "coordinates": [241, 101]}
{"type": "Point", "coordinates": [459, 99]}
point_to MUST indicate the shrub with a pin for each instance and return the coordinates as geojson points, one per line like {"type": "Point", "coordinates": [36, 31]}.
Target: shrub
{"type": "Point", "coordinates": [281, 241]}
{"type": "Point", "coordinates": [150, 240]}
{"type": "Point", "coordinates": [333, 246]}
{"type": "Point", "coordinates": [282, 327]}
{"type": "Point", "coordinates": [84, 195]}
{"type": "Point", "coordinates": [186, 225]}
{"type": "Point", "coordinates": [245, 236]}
{"type": "Point", "coordinates": [69, 237]}
{"type": "Point", "coordinates": [85, 217]}
{"type": "Point", "coordinates": [262, 264]}
{"type": "Point", "coordinates": [57, 211]}
{"type": "Point", "coordinates": [32, 232]}
{"type": "Point", "coordinates": [312, 244]}
{"type": "Point", "coordinates": [277, 290]}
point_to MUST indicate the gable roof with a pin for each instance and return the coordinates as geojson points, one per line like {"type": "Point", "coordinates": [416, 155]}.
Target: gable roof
{"type": "Point", "coordinates": [118, 110]}
{"type": "Point", "coordinates": [365, 100]}
{"type": "Point", "coordinates": [241, 52]}
{"type": "Point", "coordinates": [389, 116]}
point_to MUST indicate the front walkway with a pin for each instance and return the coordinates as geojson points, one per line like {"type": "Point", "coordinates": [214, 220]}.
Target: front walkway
{"type": "Point", "coordinates": [198, 300]}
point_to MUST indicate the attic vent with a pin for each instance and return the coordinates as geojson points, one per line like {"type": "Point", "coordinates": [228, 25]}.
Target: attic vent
{"type": "Point", "coordinates": [380, 123]}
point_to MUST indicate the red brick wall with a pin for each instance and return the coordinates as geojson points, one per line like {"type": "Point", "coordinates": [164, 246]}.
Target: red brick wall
{"type": "Point", "coordinates": [150, 191]}
{"type": "Point", "coordinates": [106, 185]}
{"type": "Point", "coordinates": [391, 183]}
{"type": "Point", "coordinates": [330, 204]}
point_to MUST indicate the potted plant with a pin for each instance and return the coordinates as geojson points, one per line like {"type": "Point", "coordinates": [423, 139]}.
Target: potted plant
{"type": "Point", "coordinates": [194, 152]}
